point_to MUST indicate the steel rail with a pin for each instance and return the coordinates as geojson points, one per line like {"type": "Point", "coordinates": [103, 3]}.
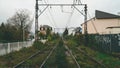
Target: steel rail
{"type": "Point", "coordinates": [48, 56]}
{"type": "Point", "coordinates": [72, 56]}
{"type": "Point", "coordinates": [35, 54]}
{"type": "Point", "coordinates": [93, 59]}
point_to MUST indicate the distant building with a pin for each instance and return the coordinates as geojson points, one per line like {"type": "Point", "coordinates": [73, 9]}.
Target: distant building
{"type": "Point", "coordinates": [44, 28]}
{"type": "Point", "coordinates": [103, 23]}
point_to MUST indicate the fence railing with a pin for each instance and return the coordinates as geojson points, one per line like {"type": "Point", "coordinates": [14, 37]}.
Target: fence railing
{"type": "Point", "coordinates": [6, 48]}
{"type": "Point", "coordinates": [107, 42]}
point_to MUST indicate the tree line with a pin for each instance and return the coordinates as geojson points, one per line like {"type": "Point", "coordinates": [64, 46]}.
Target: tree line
{"type": "Point", "coordinates": [17, 27]}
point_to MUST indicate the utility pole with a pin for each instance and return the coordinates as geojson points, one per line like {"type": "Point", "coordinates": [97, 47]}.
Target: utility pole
{"type": "Point", "coordinates": [85, 26]}
{"type": "Point", "coordinates": [23, 31]}
{"type": "Point", "coordinates": [36, 20]}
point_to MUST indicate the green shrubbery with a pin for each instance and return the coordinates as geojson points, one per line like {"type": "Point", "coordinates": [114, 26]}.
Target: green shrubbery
{"type": "Point", "coordinates": [38, 45]}
{"type": "Point", "coordinates": [60, 56]}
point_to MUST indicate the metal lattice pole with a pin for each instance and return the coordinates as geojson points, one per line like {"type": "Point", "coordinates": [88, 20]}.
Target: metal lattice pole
{"type": "Point", "coordinates": [36, 20]}
{"type": "Point", "coordinates": [47, 5]}
{"type": "Point", "coordinates": [85, 26]}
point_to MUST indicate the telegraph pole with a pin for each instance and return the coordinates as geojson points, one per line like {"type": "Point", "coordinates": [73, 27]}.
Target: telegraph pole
{"type": "Point", "coordinates": [36, 20]}
{"type": "Point", "coordinates": [85, 26]}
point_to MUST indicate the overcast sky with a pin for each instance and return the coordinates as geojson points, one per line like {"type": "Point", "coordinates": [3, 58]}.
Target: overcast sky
{"type": "Point", "coordinates": [58, 19]}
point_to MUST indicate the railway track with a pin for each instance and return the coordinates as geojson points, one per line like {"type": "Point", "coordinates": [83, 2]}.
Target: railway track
{"type": "Point", "coordinates": [80, 56]}
{"type": "Point", "coordinates": [83, 56]}
{"type": "Point", "coordinates": [48, 51]}
{"type": "Point", "coordinates": [73, 59]}
{"type": "Point", "coordinates": [76, 62]}
{"type": "Point", "coordinates": [92, 58]}
{"type": "Point", "coordinates": [40, 54]}
{"type": "Point", "coordinates": [86, 55]}
{"type": "Point", "coordinates": [48, 56]}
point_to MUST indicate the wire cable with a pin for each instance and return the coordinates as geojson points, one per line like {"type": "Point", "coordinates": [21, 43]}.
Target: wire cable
{"type": "Point", "coordinates": [69, 19]}
{"type": "Point", "coordinates": [52, 18]}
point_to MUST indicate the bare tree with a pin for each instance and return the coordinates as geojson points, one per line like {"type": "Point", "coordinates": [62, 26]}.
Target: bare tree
{"type": "Point", "coordinates": [22, 21]}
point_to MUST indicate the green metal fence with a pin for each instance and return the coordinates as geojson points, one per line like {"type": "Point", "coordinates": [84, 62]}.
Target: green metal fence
{"type": "Point", "coordinates": [107, 43]}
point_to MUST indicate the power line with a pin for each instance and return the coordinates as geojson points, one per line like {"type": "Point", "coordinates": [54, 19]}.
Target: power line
{"type": "Point", "coordinates": [74, 4]}
{"type": "Point", "coordinates": [77, 1]}
{"type": "Point", "coordinates": [69, 19]}
{"type": "Point", "coordinates": [64, 11]}
{"type": "Point", "coordinates": [52, 18]}
{"type": "Point", "coordinates": [47, 17]}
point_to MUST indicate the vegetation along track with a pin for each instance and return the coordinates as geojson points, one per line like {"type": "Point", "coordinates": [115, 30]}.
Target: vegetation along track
{"type": "Point", "coordinates": [92, 58]}
{"type": "Point", "coordinates": [76, 62]}
{"type": "Point", "coordinates": [60, 57]}
{"type": "Point", "coordinates": [83, 59]}
{"type": "Point", "coordinates": [35, 60]}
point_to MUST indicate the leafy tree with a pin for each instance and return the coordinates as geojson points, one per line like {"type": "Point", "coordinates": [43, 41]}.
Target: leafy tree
{"type": "Point", "coordinates": [65, 33]}
{"type": "Point", "coordinates": [2, 27]}
{"type": "Point", "coordinates": [7, 33]}
{"type": "Point", "coordinates": [22, 21]}
{"type": "Point", "coordinates": [12, 31]}
{"type": "Point", "coordinates": [48, 32]}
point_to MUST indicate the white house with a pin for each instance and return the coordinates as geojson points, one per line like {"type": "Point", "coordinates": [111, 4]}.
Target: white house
{"type": "Point", "coordinates": [103, 23]}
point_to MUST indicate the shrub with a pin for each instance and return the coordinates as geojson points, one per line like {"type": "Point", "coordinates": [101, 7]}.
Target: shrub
{"type": "Point", "coordinates": [38, 45]}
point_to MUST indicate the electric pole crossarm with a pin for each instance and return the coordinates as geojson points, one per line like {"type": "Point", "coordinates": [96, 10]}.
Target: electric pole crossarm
{"type": "Point", "coordinates": [61, 4]}
{"type": "Point", "coordinates": [79, 11]}
{"type": "Point", "coordinates": [43, 11]}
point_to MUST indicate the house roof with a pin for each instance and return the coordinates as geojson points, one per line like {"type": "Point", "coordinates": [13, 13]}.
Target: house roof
{"type": "Point", "coordinates": [105, 15]}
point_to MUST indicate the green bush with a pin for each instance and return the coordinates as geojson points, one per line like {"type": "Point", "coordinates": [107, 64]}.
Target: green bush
{"type": "Point", "coordinates": [38, 45]}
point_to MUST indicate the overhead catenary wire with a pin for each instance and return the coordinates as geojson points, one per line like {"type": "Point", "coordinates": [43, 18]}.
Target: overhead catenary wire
{"type": "Point", "coordinates": [47, 16]}
{"type": "Point", "coordinates": [79, 1]}
{"type": "Point", "coordinates": [52, 18]}
{"type": "Point", "coordinates": [75, 2]}
{"type": "Point", "coordinates": [49, 19]}
{"type": "Point", "coordinates": [63, 11]}
{"type": "Point", "coordinates": [71, 14]}
{"type": "Point", "coordinates": [69, 19]}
